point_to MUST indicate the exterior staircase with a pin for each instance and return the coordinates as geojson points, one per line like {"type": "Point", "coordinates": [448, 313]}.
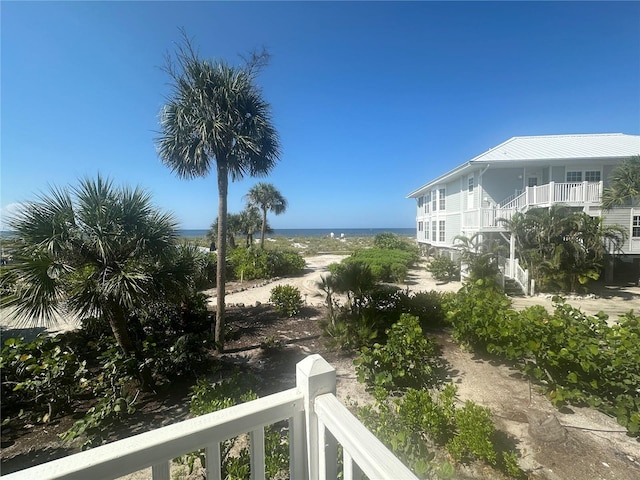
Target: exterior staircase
{"type": "Point", "coordinates": [512, 288]}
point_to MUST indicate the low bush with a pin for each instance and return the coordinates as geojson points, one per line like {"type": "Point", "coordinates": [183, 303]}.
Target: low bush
{"type": "Point", "coordinates": [391, 241]}
{"type": "Point", "coordinates": [444, 269]}
{"type": "Point", "coordinates": [41, 378]}
{"type": "Point", "coordinates": [411, 424]}
{"type": "Point", "coordinates": [350, 329]}
{"type": "Point", "coordinates": [386, 265]}
{"type": "Point", "coordinates": [254, 263]}
{"type": "Point", "coordinates": [580, 359]}
{"type": "Point", "coordinates": [56, 374]}
{"type": "Point", "coordinates": [286, 300]}
{"type": "Point", "coordinates": [408, 359]}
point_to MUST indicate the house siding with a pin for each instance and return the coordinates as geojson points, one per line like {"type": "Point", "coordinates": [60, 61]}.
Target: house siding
{"type": "Point", "coordinates": [452, 192]}
{"type": "Point", "coordinates": [557, 174]}
{"type": "Point", "coordinates": [606, 173]}
{"type": "Point", "coordinates": [622, 217]}
{"type": "Point", "coordinates": [452, 228]}
{"type": "Point", "coordinates": [499, 184]}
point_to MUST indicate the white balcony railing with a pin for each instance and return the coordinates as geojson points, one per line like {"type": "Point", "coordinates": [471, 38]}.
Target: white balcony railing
{"type": "Point", "coordinates": [571, 194]}
{"type": "Point", "coordinates": [317, 422]}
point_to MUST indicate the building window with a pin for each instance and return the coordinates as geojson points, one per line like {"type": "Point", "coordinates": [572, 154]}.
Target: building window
{"type": "Point", "coordinates": [434, 201]}
{"type": "Point", "coordinates": [441, 196]}
{"type": "Point", "coordinates": [470, 185]}
{"type": "Point", "coordinates": [574, 177]}
{"type": "Point", "coordinates": [426, 230]}
{"type": "Point", "coordinates": [441, 232]}
{"type": "Point", "coordinates": [592, 176]}
{"type": "Point", "coordinates": [420, 226]}
{"type": "Point", "coordinates": [635, 229]}
{"type": "Point", "coordinates": [420, 202]}
{"type": "Point", "coordinates": [434, 230]}
{"type": "Point", "coordinates": [427, 202]}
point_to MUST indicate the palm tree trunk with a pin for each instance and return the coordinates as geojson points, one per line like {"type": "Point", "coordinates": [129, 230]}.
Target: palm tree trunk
{"type": "Point", "coordinates": [263, 232]}
{"type": "Point", "coordinates": [118, 325]}
{"type": "Point", "coordinates": [223, 184]}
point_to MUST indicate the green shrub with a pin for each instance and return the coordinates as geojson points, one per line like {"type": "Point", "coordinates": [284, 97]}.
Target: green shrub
{"type": "Point", "coordinates": [208, 398]}
{"type": "Point", "coordinates": [285, 262]}
{"type": "Point", "coordinates": [473, 438]}
{"type": "Point", "coordinates": [116, 393]}
{"type": "Point", "coordinates": [406, 360]}
{"type": "Point", "coordinates": [254, 263]}
{"type": "Point", "coordinates": [380, 261]}
{"type": "Point", "coordinates": [175, 337]}
{"type": "Point", "coordinates": [408, 425]}
{"type": "Point", "coordinates": [406, 442]}
{"type": "Point", "coordinates": [378, 309]}
{"type": "Point", "coordinates": [286, 300]}
{"type": "Point", "coordinates": [427, 306]}
{"type": "Point", "coordinates": [272, 343]}
{"type": "Point", "coordinates": [350, 334]}
{"type": "Point", "coordinates": [42, 376]}
{"type": "Point", "coordinates": [444, 269]}
{"type": "Point", "coordinates": [391, 241]}
{"type": "Point", "coordinates": [580, 359]}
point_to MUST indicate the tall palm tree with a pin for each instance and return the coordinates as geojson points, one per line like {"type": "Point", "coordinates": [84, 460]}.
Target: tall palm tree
{"type": "Point", "coordinates": [267, 198]}
{"type": "Point", "coordinates": [624, 184]}
{"type": "Point", "coordinates": [234, 228]}
{"type": "Point", "coordinates": [216, 117]}
{"type": "Point", "coordinates": [251, 222]}
{"type": "Point", "coordinates": [93, 251]}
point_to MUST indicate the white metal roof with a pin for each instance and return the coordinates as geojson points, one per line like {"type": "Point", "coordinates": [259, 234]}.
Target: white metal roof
{"type": "Point", "coordinates": [547, 147]}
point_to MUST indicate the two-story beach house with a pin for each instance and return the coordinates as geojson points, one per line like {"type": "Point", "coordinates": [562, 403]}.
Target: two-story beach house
{"type": "Point", "coordinates": [522, 173]}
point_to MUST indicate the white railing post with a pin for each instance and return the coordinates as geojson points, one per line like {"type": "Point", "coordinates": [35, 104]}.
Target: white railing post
{"type": "Point", "coordinates": [160, 471]}
{"type": "Point", "coordinates": [552, 192]}
{"type": "Point", "coordinates": [314, 376]}
{"type": "Point", "coordinates": [600, 188]}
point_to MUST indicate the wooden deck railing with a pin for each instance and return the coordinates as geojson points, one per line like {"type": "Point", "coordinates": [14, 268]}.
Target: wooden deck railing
{"type": "Point", "coordinates": [317, 422]}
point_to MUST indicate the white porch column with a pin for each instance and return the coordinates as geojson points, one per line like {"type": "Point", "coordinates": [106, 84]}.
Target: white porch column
{"type": "Point", "coordinates": [512, 253]}
{"type": "Point", "coordinates": [314, 376]}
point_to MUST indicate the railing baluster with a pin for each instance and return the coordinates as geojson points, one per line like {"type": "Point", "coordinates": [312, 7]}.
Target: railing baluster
{"type": "Point", "coordinates": [357, 473]}
{"type": "Point", "coordinates": [214, 462]}
{"type": "Point", "coordinates": [257, 453]}
{"type": "Point", "coordinates": [331, 455]}
{"type": "Point", "coordinates": [160, 471]}
{"type": "Point", "coordinates": [347, 465]}
{"type": "Point", "coordinates": [297, 466]}
{"type": "Point", "coordinates": [322, 452]}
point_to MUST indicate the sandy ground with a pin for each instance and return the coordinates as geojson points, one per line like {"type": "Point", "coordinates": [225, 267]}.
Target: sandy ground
{"type": "Point", "coordinates": [575, 443]}
{"type": "Point", "coordinates": [614, 301]}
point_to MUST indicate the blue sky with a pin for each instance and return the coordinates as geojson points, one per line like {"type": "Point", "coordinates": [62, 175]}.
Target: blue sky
{"type": "Point", "coordinates": [371, 99]}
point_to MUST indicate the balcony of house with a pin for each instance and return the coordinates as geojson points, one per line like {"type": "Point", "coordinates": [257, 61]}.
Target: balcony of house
{"type": "Point", "coordinates": [582, 195]}
{"type": "Point", "coordinates": [317, 423]}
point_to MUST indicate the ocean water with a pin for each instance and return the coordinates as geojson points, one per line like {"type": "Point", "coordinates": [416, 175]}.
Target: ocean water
{"type": "Point", "coordinates": [319, 232]}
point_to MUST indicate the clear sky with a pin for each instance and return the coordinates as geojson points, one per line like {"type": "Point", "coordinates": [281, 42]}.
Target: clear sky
{"type": "Point", "coordinates": [371, 99]}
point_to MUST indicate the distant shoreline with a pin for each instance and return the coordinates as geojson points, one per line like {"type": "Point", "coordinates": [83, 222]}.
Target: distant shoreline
{"type": "Point", "coordinates": [316, 232]}
{"type": "Point", "coordinates": [297, 232]}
